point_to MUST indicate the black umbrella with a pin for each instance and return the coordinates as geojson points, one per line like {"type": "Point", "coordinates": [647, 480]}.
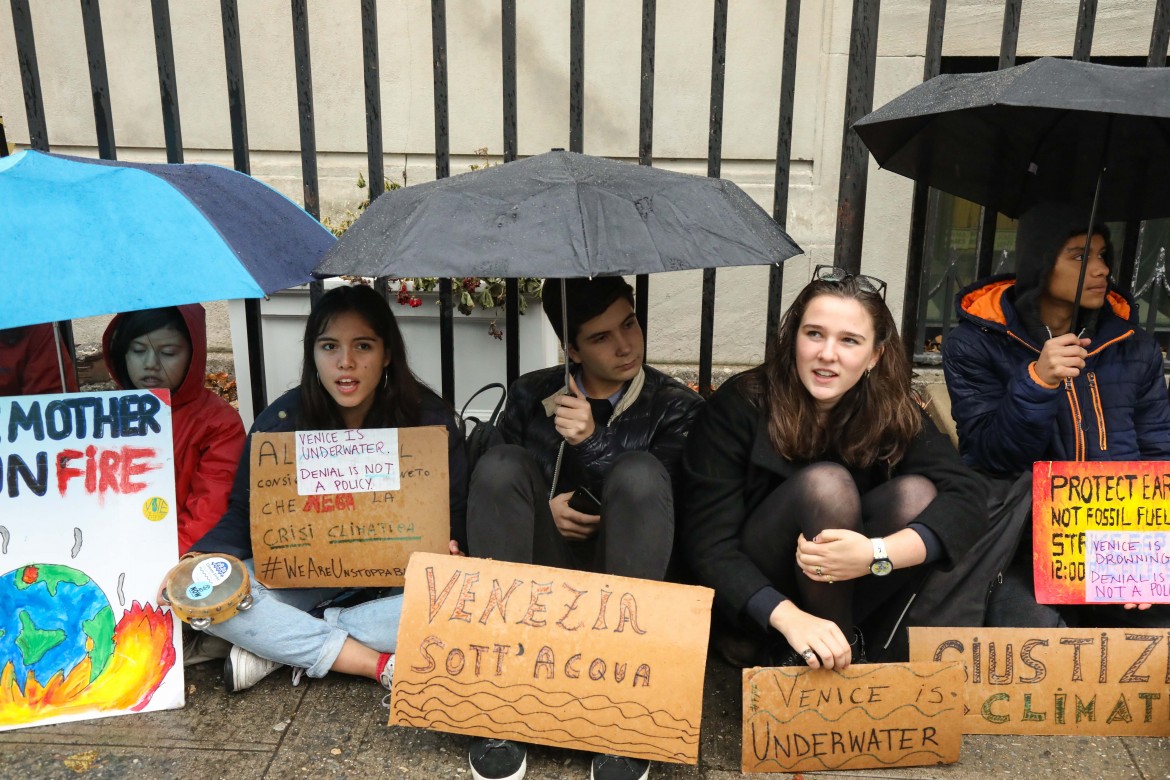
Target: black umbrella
{"type": "Point", "coordinates": [559, 214]}
{"type": "Point", "coordinates": [1042, 131]}
{"type": "Point", "coordinates": [1051, 130]}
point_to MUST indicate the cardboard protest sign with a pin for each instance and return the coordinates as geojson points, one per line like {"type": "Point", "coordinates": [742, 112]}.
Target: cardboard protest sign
{"type": "Point", "coordinates": [1101, 532]}
{"type": "Point", "coordinates": [87, 533]}
{"type": "Point", "coordinates": [1092, 681]}
{"type": "Point", "coordinates": [345, 532]}
{"type": "Point", "coordinates": [571, 659]}
{"type": "Point", "coordinates": [797, 719]}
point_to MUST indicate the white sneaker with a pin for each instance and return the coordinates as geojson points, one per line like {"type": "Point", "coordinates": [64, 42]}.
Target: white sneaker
{"type": "Point", "coordinates": [243, 669]}
{"type": "Point", "coordinates": [386, 677]}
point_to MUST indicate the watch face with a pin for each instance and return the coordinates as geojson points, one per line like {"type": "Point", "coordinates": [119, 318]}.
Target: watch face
{"type": "Point", "coordinates": [881, 567]}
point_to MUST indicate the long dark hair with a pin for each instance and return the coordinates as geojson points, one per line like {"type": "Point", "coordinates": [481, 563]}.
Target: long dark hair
{"type": "Point", "coordinates": [875, 420]}
{"type": "Point", "coordinates": [136, 324]}
{"type": "Point", "coordinates": [397, 398]}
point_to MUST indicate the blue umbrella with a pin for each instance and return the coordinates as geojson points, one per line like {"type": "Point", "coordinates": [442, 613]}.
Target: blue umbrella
{"type": "Point", "coordinates": [81, 237]}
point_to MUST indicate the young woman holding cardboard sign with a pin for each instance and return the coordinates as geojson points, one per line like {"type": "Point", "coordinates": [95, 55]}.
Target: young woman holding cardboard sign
{"type": "Point", "coordinates": [815, 483]}
{"type": "Point", "coordinates": [355, 375]}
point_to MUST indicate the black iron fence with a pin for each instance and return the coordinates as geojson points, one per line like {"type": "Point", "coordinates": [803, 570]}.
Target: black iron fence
{"type": "Point", "coordinates": [927, 278]}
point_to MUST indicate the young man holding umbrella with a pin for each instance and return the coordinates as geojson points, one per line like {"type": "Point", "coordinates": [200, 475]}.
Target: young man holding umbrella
{"type": "Point", "coordinates": [583, 479]}
{"type": "Point", "coordinates": [1025, 387]}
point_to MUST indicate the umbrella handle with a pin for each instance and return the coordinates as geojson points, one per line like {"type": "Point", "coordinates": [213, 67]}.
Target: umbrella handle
{"type": "Point", "coordinates": [1076, 328]}
{"type": "Point", "coordinates": [565, 330]}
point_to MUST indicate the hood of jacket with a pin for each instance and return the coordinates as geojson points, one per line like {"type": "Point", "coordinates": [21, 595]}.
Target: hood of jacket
{"type": "Point", "coordinates": [195, 318]}
{"type": "Point", "coordinates": [991, 304]}
{"type": "Point", "coordinates": [1041, 234]}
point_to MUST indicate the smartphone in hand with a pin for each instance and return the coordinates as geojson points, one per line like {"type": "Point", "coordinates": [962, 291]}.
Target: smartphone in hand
{"type": "Point", "coordinates": [584, 502]}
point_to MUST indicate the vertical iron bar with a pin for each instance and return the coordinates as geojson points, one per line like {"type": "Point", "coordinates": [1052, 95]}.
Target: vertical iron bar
{"type": "Point", "coordinates": [508, 45]}
{"type": "Point", "coordinates": [646, 96]}
{"type": "Point", "coordinates": [783, 156]}
{"type": "Point", "coordinates": [442, 171]}
{"type": "Point", "coordinates": [985, 241]}
{"type": "Point", "coordinates": [304, 69]}
{"type": "Point", "coordinates": [30, 76]}
{"type": "Point", "coordinates": [511, 284]}
{"type": "Point", "coordinates": [1160, 35]}
{"type": "Point", "coordinates": [164, 53]}
{"type": "Point", "coordinates": [235, 84]}
{"type": "Point", "coordinates": [714, 165]}
{"type": "Point", "coordinates": [376, 180]}
{"type": "Point", "coordinates": [233, 61]}
{"type": "Point", "coordinates": [1135, 230]}
{"type": "Point", "coordinates": [577, 76]}
{"type": "Point", "coordinates": [930, 239]}
{"type": "Point", "coordinates": [646, 144]}
{"type": "Point", "coordinates": [854, 157]}
{"type": "Point", "coordinates": [3, 139]}
{"type": "Point", "coordinates": [1010, 35]}
{"type": "Point", "coordinates": [1086, 20]}
{"type": "Point", "coordinates": [99, 82]}
{"type": "Point", "coordinates": [915, 275]}
{"type": "Point", "coordinates": [377, 170]}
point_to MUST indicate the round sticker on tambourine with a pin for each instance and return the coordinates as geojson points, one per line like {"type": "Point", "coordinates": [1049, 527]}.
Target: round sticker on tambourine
{"type": "Point", "coordinates": [208, 589]}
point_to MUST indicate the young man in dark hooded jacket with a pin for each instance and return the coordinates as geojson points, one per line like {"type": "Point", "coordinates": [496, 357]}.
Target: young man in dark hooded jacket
{"type": "Point", "coordinates": [1024, 387]}
{"type": "Point", "coordinates": [616, 436]}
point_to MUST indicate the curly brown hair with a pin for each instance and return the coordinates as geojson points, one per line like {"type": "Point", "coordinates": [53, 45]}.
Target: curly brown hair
{"type": "Point", "coordinates": [874, 421]}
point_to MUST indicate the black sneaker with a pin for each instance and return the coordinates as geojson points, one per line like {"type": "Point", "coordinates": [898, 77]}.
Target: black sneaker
{"type": "Point", "coordinates": [606, 767]}
{"type": "Point", "coordinates": [497, 759]}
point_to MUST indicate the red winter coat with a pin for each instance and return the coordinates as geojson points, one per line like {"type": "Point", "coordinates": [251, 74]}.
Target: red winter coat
{"type": "Point", "coordinates": [208, 434]}
{"type": "Point", "coordinates": [28, 362]}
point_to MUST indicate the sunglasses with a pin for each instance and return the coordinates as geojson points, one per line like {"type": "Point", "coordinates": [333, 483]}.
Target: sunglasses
{"type": "Point", "coordinates": [835, 275]}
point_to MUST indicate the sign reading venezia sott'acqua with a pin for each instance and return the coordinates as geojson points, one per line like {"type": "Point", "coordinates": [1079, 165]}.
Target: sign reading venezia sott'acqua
{"type": "Point", "coordinates": [573, 659]}
{"type": "Point", "coordinates": [87, 532]}
{"type": "Point", "coordinates": [1101, 532]}
{"type": "Point", "coordinates": [370, 499]}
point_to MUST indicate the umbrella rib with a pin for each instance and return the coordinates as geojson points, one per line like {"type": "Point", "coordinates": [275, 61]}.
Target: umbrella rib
{"type": "Point", "coordinates": [584, 232]}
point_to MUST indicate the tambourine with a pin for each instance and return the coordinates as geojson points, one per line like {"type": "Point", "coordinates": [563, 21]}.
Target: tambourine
{"type": "Point", "coordinates": [208, 589]}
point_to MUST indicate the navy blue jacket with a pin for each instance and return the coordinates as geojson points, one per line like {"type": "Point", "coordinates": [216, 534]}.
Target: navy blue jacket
{"type": "Point", "coordinates": [1007, 418]}
{"type": "Point", "coordinates": [233, 533]}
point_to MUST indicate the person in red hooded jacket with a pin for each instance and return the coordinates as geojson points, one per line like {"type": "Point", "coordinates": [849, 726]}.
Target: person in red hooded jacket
{"type": "Point", "coordinates": [29, 365]}
{"type": "Point", "coordinates": [167, 349]}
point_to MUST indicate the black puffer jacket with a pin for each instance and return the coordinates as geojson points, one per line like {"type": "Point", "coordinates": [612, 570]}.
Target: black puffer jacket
{"type": "Point", "coordinates": [654, 415]}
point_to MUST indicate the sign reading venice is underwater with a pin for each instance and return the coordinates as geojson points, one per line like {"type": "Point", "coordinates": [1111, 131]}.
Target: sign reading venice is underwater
{"type": "Point", "coordinates": [85, 478]}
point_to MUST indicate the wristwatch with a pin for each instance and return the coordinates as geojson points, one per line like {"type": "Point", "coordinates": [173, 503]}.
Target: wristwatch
{"type": "Point", "coordinates": [881, 565]}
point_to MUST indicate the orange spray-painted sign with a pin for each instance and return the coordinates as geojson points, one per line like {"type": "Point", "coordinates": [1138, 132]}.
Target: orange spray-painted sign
{"type": "Point", "coordinates": [1101, 532]}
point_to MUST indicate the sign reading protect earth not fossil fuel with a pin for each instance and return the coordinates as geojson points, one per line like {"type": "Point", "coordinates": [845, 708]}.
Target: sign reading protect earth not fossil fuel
{"type": "Point", "coordinates": [1101, 532]}
{"type": "Point", "coordinates": [340, 508]}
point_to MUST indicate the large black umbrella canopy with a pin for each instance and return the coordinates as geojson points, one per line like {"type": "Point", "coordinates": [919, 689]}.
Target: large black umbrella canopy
{"type": "Point", "coordinates": [1040, 131]}
{"type": "Point", "coordinates": [559, 214]}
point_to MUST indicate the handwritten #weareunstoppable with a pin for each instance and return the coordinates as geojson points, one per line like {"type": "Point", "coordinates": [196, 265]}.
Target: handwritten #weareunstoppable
{"type": "Point", "coordinates": [347, 461]}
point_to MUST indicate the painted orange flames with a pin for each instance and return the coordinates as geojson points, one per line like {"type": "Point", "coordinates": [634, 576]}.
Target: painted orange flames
{"type": "Point", "coordinates": [144, 653]}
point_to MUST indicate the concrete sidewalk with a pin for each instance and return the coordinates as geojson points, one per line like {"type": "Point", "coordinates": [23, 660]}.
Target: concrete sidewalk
{"type": "Point", "coordinates": [336, 728]}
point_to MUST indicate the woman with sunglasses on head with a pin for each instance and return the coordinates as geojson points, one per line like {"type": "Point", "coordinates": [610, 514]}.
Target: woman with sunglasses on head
{"type": "Point", "coordinates": [355, 375]}
{"type": "Point", "coordinates": [815, 483]}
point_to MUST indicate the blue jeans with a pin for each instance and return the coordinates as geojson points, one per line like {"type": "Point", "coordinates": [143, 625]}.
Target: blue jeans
{"type": "Point", "coordinates": [279, 627]}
